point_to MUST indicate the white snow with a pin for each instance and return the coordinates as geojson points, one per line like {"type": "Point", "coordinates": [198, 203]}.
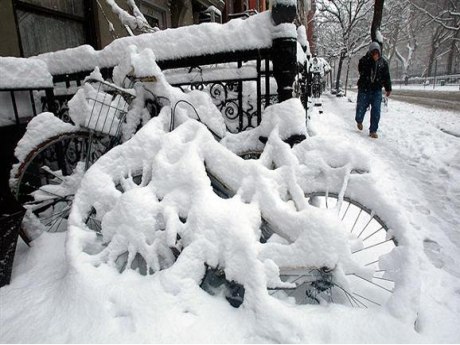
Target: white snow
{"type": "Point", "coordinates": [378, 36]}
{"type": "Point", "coordinates": [252, 33]}
{"type": "Point", "coordinates": [285, 30]}
{"type": "Point", "coordinates": [135, 21]}
{"type": "Point", "coordinates": [153, 197]}
{"type": "Point", "coordinates": [412, 181]}
{"type": "Point", "coordinates": [24, 73]}
{"type": "Point", "coordinates": [255, 32]}
{"type": "Point", "coordinates": [72, 60]}
{"type": "Point", "coordinates": [427, 87]}
{"type": "Point", "coordinates": [302, 37]}
{"type": "Point", "coordinates": [418, 164]}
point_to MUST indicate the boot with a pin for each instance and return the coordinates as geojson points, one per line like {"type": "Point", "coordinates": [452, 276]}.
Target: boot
{"type": "Point", "coordinates": [373, 135]}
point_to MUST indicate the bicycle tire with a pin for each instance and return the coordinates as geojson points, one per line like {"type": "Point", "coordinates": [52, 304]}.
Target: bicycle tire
{"type": "Point", "coordinates": [54, 158]}
{"type": "Point", "coordinates": [317, 285]}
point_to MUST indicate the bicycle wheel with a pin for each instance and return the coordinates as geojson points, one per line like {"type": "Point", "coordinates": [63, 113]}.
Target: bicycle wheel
{"type": "Point", "coordinates": [49, 176]}
{"type": "Point", "coordinates": [369, 243]}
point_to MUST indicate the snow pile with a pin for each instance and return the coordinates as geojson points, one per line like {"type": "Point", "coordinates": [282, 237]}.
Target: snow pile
{"type": "Point", "coordinates": [24, 73]}
{"type": "Point", "coordinates": [161, 216]}
{"type": "Point", "coordinates": [153, 213]}
{"type": "Point", "coordinates": [173, 197]}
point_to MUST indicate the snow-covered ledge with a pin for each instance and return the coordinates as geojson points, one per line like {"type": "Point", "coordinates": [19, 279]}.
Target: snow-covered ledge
{"type": "Point", "coordinates": [20, 73]}
{"type": "Point", "coordinates": [253, 33]}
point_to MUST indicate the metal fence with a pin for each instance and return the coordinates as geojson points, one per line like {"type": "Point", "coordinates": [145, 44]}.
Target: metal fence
{"type": "Point", "coordinates": [431, 82]}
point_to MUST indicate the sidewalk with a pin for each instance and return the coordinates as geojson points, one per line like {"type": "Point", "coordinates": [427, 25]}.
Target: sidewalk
{"type": "Point", "coordinates": [418, 160]}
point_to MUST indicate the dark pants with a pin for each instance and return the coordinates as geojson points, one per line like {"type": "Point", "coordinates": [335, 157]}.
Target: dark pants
{"type": "Point", "coordinates": [366, 98]}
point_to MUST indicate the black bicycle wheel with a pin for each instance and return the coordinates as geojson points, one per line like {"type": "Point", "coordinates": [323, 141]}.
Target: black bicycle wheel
{"type": "Point", "coordinates": [46, 180]}
{"type": "Point", "coordinates": [371, 243]}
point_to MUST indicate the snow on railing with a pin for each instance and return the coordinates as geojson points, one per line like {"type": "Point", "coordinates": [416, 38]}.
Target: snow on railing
{"type": "Point", "coordinates": [253, 33]}
{"type": "Point", "coordinates": [19, 73]}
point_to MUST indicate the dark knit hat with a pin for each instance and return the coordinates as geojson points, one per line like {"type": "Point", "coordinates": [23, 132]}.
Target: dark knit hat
{"type": "Point", "coordinates": [375, 46]}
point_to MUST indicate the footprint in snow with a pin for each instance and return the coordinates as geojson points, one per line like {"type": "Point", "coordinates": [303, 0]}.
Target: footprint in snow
{"type": "Point", "coordinates": [422, 209]}
{"type": "Point", "coordinates": [433, 252]}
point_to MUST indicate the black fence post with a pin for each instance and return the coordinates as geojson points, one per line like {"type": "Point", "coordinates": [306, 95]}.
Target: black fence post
{"type": "Point", "coordinates": [284, 48]}
{"type": "Point", "coordinates": [50, 101]}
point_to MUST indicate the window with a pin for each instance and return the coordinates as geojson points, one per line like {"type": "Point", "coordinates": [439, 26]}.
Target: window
{"type": "Point", "coordinates": [50, 25]}
{"type": "Point", "coordinates": [74, 7]}
{"type": "Point", "coordinates": [155, 15]}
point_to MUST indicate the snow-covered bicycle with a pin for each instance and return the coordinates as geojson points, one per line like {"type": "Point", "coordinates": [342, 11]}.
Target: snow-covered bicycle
{"type": "Point", "coordinates": [179, 198]}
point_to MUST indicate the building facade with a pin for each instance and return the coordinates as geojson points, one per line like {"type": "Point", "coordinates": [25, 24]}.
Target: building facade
{"type": "Point", "coordinates": [32, 27]}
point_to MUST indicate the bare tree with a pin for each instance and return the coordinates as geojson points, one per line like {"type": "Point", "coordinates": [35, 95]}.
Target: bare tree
{"type": "Point", "coordinates": [444, 17]}
{"type": "Point", "coordinates": [438, 37]}
{"type": "Point", "coordinates": [447, 15]}
{"type": "Point", "coordinates": [348, 22]}
{"type": "Point", "coordinates": [453, 52]}
{"type": "Point", "coordinates": [402, 26]}
{"type": "Point", "coordinates": [394, 27]}
{"type": "Point", "coordinates": [303, 7]}
{"type": "Point", "coordinates": [376, 35]}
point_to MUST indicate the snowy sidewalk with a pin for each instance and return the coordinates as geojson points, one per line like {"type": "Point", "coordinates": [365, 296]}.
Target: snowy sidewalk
{"type": "Point", "coordinates": [418, 157]}
{"type": "Point", "coordinates": [417, 165]}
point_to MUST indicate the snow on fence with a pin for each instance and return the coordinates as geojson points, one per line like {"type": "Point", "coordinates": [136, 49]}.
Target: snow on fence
{"type": "Point", "coordinates": [267, 40]}
{"type": "Point", "coordinates": [243, 49]}
{"type": "Point", "coordinates": [238, 35]}
{"type": "Point", "coordinates": [19, 78]}
{"type": "Point", "coordinates": [197, 46]}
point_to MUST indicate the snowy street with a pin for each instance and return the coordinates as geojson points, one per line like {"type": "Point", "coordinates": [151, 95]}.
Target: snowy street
{"type": "Point", "coordinates": [415, 163]}
{"type": "Point", "coordinates": [437, 98]}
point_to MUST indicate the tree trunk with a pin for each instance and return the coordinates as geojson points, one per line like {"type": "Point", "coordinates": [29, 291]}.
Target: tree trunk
{"type": "Point", "coordinates": [433, 49]}
{"type": "Point", "coordinates": [431, 58]}
{"type": "Point", "coordinates": [331, 77]}
{"type": "Point", "coordinates": [451, 56]}
{"type": "Point", "coordinates": [346, 78]}
{"type": "Point", "coordinates": [339, 71]}
{"type": "Point", "coordinates": [377, 22]}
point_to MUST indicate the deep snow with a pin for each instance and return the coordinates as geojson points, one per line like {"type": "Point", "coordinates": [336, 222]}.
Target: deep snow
{"type": "Point", "coordinates": [415, 164]}
{"type": "Point", "coordinates": [417, 159]}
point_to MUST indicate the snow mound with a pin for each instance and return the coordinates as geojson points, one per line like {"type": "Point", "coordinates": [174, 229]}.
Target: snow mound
{"type": "Point", "coordinates": [24, 73]}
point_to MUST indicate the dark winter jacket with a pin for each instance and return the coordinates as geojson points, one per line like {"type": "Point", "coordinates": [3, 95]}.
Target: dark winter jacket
{"type": "Point", "coordinates": [373, 75]}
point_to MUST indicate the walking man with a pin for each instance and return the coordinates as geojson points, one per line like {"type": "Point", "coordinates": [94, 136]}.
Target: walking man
{"type": "Point", "coordinates": [374, 74]}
